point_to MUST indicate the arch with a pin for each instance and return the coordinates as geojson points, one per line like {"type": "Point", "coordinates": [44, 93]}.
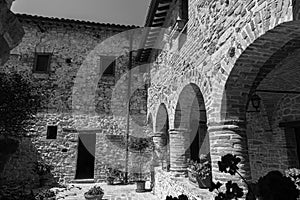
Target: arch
{"type": "Point", "coordinates": [149, 125]}
{"type": "Point", "coordinates": [162, 133]}
{"type": "Point", "coordinates": [162, 119]}
{"type": "Point", "coordinates": [150, 120]}
{"type": "Point", "coordinates": [254, 64]}
{"type": "Point", "coordinates": [190, 104]}
{"type": "Point", "coordinates": [247, 75]}
{"type": "Point", "coordinates": [190, 114]}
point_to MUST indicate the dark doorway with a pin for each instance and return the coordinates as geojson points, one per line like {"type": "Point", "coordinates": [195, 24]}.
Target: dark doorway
{"type": "Point", "coordinates": [195, 141]}
{"type": "Point", "coordinates": [194, 149]}
{"type": "Point", "coordinates": [86, 156]}
{"type": "Point", "coordinates": [199, 141]}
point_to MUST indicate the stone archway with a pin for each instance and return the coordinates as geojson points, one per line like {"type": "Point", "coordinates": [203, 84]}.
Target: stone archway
{"type": "Point", "coordinates": [189, 138]}
{"type": "Point", "coordinates": [250, 68]}
{"type": "Point", "coordinates": [161, 137]}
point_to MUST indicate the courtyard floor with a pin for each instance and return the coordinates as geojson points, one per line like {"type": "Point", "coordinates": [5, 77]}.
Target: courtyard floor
{"type": "Point", "coordinates": [111, 192]}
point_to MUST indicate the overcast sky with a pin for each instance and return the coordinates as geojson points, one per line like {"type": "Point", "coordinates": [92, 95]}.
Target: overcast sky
{"type": "Point", "coordinates": [103, 11]}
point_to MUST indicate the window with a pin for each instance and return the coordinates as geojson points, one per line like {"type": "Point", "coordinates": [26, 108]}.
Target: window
{"type": "Point", "coordinates": [184, 17]}
{"type": "Point", "coordinates": [42, 62]}
{"type": "Point", "coordinates": [184, 10]}
{"type": "Point", "coordinates": [51, 132]}
{"type": "Point", "coordinates": [292, 142]}
{"type": "Point", "coordinates": [107, 65]}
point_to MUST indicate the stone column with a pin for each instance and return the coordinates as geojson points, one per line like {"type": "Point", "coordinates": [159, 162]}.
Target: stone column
{"type": "Point", "coordinates": [179, 150]}
{"type": "Point", "coordinates": [229, 137]}
{"type": "Point", "coordinates": [158, 140]}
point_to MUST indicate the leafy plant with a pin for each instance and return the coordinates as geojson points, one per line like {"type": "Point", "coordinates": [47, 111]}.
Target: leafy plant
{"type": "Point", "coordinates": [228, 164]}
{"type": "Point", "coordinates": [19, 103]}
{"type": "Point", "coordinates": [202, 168]}
{"type": "Point", "coordinates": [294, 175]}
{"type": "Point", "coordinates": [180, 197]}
{"type": "Point", "coordinates": [115, 173]}
{"type": "Point", "coordinates": [96, 190]}
{"type": "Point", "coordinates": [46, 194]}
{"type": "Point", "coordinates": [275, 186]}
{"type": "Point", "coordinates": [139, 144]}
{"type": "Point", "coordinates": [42, 168]}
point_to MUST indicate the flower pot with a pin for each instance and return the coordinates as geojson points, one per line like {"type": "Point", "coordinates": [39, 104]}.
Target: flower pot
{"type": "Point", "coordinates": [110, 181]}
{"type": "Point", "coordinates": [204, 182]}
{"type": "Point", "coordinates": [192, 175]}
{"type": "Point", "coordinates": [93, 197]}
{"type": "Point", "coordinates": [140, 186]}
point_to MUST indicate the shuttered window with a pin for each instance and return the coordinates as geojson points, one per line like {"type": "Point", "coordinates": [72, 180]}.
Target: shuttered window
{"type": "Point", "coordinates": [42, 63]}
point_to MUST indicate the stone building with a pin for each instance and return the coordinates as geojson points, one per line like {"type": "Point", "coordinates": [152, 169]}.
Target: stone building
{"type": "Point", "coordinates": [80, 130]}
{"type": "Point", "coordinates": [211, 60]}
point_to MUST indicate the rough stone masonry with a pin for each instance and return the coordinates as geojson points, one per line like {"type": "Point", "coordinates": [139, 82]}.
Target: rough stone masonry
{"type": "Point", "coordinates": [224, 52]}
{"type": "Point", "coordinates": [79, 100]}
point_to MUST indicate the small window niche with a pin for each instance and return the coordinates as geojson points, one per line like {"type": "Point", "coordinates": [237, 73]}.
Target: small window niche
{"type": "Point", "coordinates": [51, 132]}
{"type": "Point", "coordinates": [42, 62]}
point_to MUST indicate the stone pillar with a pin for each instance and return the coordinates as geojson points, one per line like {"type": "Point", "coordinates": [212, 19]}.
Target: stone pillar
{"type": "Point", "coordinates": [229, 137]}
{"type": "Point", "coordinates": [158, 140]}
{"type": "Point", "coordinates": [179, 150]}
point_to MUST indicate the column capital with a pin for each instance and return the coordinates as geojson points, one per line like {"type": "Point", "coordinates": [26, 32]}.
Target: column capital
{"type": "Point", "coordinates": [179, 130]}
{"type": "Point", "coordinates": [227, 125]}
{"type": "Point", "coordinates": [157, 134]}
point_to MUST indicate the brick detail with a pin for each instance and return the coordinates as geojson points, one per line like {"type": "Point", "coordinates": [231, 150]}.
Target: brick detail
{"type": "Point", "coordinates": [179, 150]}
{"type": "Point", "coordinates": [229, 137]}
{"type": "Point", "coordinates": [158, 140]}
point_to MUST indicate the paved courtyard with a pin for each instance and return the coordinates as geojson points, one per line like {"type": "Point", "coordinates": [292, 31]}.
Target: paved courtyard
{"type": "Point", "coordinates": [111, 192]}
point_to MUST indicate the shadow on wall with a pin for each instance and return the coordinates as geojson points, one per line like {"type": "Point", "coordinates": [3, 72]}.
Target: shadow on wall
{"type": "Point", "coordinates": [22, 168]}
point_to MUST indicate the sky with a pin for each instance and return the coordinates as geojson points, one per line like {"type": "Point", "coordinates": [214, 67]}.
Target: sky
{"type": "Point", "coordinates": [128, 12]}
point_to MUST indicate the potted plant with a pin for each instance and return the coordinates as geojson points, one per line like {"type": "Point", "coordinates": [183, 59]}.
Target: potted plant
{"type": "Point", "coordinates": [113, 174]}
{"type": "Point", "coordinates": [94, 193]}
{"type": "Point", "coordinates": [200, 172]}
{"type": "Point", "coordinates": [43, 170]}
{"type": "Point", "coordinates": [294, 175]}
{"type": "Point", "coordinates": [110, 175]}
{"type": "Point", "coordinates": [140, 145]}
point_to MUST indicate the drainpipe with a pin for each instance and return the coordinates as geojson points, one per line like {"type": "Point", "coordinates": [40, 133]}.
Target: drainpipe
{"type": "Point", "coordinates": [128, 105]}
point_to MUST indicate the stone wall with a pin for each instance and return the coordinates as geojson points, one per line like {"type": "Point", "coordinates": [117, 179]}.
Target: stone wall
{"type": "Point", "coordinates": [214, 28]}
{"type": "Point", "coordinates": [78, 99]}
{"type": "Point", "coordinates": [230, 48]}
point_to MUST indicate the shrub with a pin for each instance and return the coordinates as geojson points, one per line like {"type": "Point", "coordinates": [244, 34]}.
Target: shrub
{"type": "Point", "coordinates": [202, 168]}
{"type": "Point", "coordinates": [45, 195]}
{"type": "Point", "coordinates": [20, 100]}
{"type": "Point", "coordinates": [294, 175]}
{"type": "Point", "coordinates": [96, 190]}
{"type": "Point", "coordinates": [228, 164]}
{"type": "Point", "coordinates": [275, 186]}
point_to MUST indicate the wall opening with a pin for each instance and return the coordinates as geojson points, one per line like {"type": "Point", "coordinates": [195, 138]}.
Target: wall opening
{"type": "Point", "coordinates": [86, 156]}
